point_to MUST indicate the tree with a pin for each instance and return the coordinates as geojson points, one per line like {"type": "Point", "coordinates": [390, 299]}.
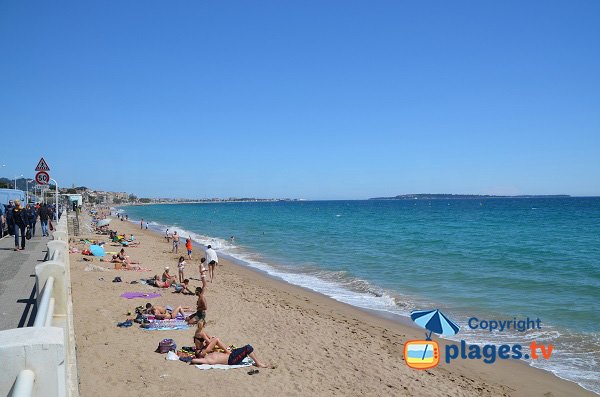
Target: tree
{"type": "Point", "coordinates": [145, 200]}
{"type": "Point", "coordinates": [117, 201]}
{"type": "Point", "coordinates": [132, 198]}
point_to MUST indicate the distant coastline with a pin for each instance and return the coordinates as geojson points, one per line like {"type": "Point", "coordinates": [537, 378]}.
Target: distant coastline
{"type": "Point", "coordinates": [426, 196]}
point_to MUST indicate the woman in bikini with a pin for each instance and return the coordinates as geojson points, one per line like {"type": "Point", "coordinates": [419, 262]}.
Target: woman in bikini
{"type": "Point", "coordinates": [205, 343]}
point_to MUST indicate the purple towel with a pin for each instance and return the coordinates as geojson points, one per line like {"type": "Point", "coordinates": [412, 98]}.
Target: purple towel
{"type": "Point", "coordinates": [133, 295]}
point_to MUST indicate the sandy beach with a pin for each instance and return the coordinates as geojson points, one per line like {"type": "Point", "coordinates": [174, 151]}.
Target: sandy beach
{"type": "Point", "coordinates": [319, 347]}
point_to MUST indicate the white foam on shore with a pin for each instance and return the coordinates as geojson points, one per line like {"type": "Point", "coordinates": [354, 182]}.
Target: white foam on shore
{"type": "Point", "coordinates": [353, 291]}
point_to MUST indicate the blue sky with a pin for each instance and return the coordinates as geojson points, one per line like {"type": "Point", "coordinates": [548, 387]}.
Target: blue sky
{"type": "Point", "coordinates": [304, 99]}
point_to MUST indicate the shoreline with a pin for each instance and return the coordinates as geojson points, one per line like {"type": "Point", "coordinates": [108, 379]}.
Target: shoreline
{"type": "Point", "coordinates": [278, 318]}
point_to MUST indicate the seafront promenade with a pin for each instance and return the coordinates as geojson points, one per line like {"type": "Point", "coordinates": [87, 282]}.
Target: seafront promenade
{"type": "Point", "coordinates": [37, 341]}
{"type": "Point", "coordinates": [17, 285]}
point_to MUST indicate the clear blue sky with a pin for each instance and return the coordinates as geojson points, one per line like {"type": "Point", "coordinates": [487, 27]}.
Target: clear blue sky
{"type": "Point", "coordinates": [306, 99]}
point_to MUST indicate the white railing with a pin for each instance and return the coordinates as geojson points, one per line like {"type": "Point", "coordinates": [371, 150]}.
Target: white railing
{"type": "Point", "coordinates": [45, 311]}
{"type": "Point", "coordinates": [41, 360]}
{"type": "Point", "coordinates": [24, 384]}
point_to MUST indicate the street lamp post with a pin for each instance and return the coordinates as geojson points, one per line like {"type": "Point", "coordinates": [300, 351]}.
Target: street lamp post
{"type": "Point", "coordinates": [27, 190]}
{"type": "Point", "coordinates": [56, 201]}
{"type": "Point", "coordinates": [16, 180]}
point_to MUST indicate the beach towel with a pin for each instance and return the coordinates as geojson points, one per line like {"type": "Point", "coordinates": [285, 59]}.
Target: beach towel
{"type": "Point", "coordinates": [144, 295]}
{"type": "Point", "coordinates": [165, 325]}
{"type": "Point", "coordinates": [245, 363]}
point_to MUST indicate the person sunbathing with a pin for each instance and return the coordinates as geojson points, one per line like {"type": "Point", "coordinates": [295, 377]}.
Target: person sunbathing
{"type": "Point", "coordinates": [161, 313]}
{"type": "Point", "coordinates": [157, 282]}
{"type": "Point", "coordinates": [167, 277]}
{"type": "Point", "coordinates": [205, 343]}
{"type": "Point", "coordinates": [233, 357]}
{"type": "Point", "coordinates": [124, 259]}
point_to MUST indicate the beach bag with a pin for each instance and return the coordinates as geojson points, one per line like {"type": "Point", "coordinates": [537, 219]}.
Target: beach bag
{"type": "Point", "coordinates": [28, 234]}
{"type": "Point", "coordinates": [166, 345]}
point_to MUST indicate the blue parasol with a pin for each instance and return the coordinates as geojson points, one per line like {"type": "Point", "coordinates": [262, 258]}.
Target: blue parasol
{"type": "Point", "coordinates": [97, 250]}
{"type": "Point", "coordinates": [434, 321]}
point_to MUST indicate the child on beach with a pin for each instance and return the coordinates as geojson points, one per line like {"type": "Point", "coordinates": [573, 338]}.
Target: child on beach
{"type": "Point", "coordinates": [167, 236]}
{"type": "Point", "coordinates": [183, 288]}
{"type": "Point", "coordinates": [188, 245]}
{"type": "Point", "coordinates": [201, 267]}
{"type": "Point", "coordinates": [181, 267]}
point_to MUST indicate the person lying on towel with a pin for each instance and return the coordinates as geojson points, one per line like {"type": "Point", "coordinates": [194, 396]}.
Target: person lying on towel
{"type": "Point", "coordinates": [230, 357]}
{"type": "Point", "coordinates": [162, 313]}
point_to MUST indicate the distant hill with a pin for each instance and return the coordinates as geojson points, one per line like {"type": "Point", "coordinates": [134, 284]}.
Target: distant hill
{"type": "Point", "coordinates": [21, 183]}
{"type": "Point", "coordinates": [425, 196]}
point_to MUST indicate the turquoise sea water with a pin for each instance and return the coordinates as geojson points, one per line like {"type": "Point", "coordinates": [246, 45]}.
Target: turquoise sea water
{"type": "Point", "coordinates": [491, 258]}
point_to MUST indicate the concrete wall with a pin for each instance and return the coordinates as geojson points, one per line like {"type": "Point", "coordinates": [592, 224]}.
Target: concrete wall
{"type": "Point", "coordinates": [47, 351]}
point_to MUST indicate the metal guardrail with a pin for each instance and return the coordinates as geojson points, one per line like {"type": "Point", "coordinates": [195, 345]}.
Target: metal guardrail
{"type": "Point", "coordinates": [42, 358]}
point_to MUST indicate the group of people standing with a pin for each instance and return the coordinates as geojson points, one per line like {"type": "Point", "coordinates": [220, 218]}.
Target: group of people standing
{"type": "Point", "coordinates": [21, 221]}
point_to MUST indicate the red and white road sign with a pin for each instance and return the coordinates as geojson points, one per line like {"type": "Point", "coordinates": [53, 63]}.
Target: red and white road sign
{"type": "Point", "coordinates": [42, 178]}
{"type": "Point", "coordinates": [42, 165]}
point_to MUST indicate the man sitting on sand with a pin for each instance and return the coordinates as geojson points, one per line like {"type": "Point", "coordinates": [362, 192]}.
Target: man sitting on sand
{"type": "Point", "coordinates": [233, 357]}
{"type": "Point", "coordinates": [200, 304]}
{"type": "Point", "coordinates": [161, 313]}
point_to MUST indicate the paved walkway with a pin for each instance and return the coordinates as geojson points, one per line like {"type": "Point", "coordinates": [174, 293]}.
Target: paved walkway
{"type": "Point", "coordinates": [17, 280]}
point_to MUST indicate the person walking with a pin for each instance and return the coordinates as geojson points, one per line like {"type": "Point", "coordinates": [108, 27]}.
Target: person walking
{"type": "Point", "coordinates": [212, 260]}
{"type": "Point", "coordinates": [9, 217]}
{"type": "Point", "coordinates": [44, 214]}
{"type": "Point", "coordinates": [31, 218]}
{"type": "Point", "coordinates": [175, 243]}
{"type": "Point", "coordinates": [2, 211]}
{"type": "Point", "coordinates": [142, 223]}
{"type": "Point", "coordinates": [20, 220]}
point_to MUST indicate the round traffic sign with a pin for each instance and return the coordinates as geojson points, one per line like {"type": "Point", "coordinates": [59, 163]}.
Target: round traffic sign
{"type": "Point", "coordinates": [42, 178]}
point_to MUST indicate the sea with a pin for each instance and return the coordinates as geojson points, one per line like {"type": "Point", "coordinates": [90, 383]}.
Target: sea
{"type": "Point", "coordinates": [493, 259]}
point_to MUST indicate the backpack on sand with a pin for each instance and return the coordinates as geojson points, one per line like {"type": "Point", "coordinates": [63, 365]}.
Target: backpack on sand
{"type": "Point", "coordinates": [166, 345]}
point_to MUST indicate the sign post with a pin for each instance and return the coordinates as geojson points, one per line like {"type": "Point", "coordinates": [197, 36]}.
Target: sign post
{"type": "Point", "coordinates": [42, 165]}
{"type": "Point", "coordinates": [42, 178]}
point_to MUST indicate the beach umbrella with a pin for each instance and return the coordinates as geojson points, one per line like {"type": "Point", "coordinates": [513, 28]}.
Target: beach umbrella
{"type": "Point", "coordinates": [434, 321]}
{"type": "Point", "coordinates": [103, 222]}
{"type": "Point", "coordinates": [96, 250]}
